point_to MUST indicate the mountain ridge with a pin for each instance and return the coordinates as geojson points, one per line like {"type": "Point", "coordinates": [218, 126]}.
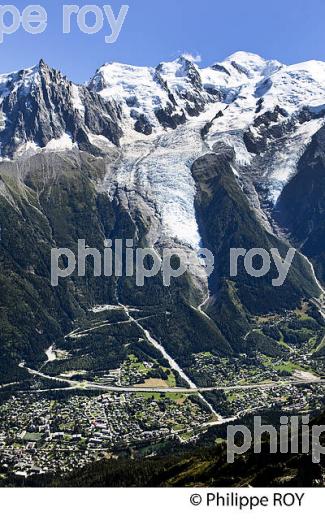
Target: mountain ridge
{"type": "Point", "coordinates": [127, 156]}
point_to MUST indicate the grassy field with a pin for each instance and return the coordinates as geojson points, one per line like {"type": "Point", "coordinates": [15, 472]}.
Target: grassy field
{"type": "Point", "coordinates": [153, 383]}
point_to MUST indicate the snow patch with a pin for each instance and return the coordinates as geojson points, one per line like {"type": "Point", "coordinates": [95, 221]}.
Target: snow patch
{"type": "Point", "coordinates": [76, 100]}
{"type": "Point", "coordinates": [63, 143]}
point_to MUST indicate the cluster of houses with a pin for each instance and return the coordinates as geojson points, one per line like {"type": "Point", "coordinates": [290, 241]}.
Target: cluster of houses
{"type": "Point", "coordinates": [56, 436]}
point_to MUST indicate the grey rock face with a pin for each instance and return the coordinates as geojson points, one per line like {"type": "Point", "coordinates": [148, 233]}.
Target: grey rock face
{"type": "Point", "coordinates": [40, 104]}
{"type": "Point", "coordinates": [191, 93]}
{"type": "Point", "coordinates": [301, 206]}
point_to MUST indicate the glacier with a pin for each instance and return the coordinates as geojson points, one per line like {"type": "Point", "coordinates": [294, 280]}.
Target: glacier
{"type": "Point", "coordinates": [172, 114]}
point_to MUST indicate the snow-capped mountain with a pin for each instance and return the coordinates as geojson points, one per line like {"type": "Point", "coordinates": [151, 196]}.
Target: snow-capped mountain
{"type": "Point", "coordinates": [169, 94]}
{"type": "Point", "coordinates": [40, 106]}
{"type": "Point", "coordinates": [160, 120]}
{"type": "Point", "coordinates": [230, 155]}
{"type": "Point", "coordinates": [42, 109]}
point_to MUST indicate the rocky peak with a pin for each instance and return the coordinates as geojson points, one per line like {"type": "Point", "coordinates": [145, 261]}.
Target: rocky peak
{"type": "Point", "coordinates": [41, 107]}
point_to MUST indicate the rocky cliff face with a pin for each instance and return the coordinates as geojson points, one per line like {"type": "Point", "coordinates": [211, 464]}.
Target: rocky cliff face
{"type": "Point", "coordinates": [301, 207]}
{"type": "Point", "coordinates": [41, 108]}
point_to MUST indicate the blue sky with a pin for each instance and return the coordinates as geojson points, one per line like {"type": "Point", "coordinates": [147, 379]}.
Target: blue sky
{"type": "Point", "coordinates": [160, 30]}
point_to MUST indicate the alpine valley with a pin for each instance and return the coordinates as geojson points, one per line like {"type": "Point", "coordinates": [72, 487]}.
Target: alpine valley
{"type": "Point", "coordinates": [177, 156]}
